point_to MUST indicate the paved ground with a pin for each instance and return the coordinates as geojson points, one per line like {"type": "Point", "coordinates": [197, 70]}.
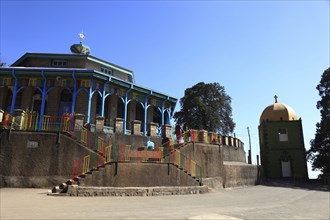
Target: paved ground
{"type": "Point", "coordinates": [257, 202]}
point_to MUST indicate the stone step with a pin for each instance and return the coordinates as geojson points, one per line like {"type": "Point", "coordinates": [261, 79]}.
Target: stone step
{"type": "Point", "coordinates": [132, 191]}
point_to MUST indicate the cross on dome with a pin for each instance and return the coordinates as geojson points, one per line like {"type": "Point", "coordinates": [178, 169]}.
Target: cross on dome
{"type": "Point", "coordinates": [82, 36]}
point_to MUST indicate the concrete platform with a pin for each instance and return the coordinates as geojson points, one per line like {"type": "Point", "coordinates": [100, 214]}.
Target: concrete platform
{"type": "Point", "coordinates": [75, 190]}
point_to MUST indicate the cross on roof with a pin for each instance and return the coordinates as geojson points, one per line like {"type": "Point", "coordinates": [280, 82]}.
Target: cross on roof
{"type": "Point", "coordinates": [275, 98]}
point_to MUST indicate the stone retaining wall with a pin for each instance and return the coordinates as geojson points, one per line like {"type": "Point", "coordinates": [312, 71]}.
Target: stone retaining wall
{"type": "Point", "coordinates": [238, 174]}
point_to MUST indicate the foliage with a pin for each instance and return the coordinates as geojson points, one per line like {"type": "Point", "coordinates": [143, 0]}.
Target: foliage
{"type": "Point", "coordinates": [206, 107]}
{"type": "Point", "coordinates": [319, 153]}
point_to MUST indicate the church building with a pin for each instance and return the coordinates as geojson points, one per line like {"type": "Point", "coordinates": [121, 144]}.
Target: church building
{"type": "Point", "coordinates": [50, 84]}
{"type": "Point", "coordinates": [282, 148]}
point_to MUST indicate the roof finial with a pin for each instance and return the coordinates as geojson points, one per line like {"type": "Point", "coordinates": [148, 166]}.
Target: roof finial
{"type": "Point", "coordinates": [80, 48]}
{"type": "Point", "coordinates": [82, 36]}
{"type": "Point", "coordinates": [275, 98]}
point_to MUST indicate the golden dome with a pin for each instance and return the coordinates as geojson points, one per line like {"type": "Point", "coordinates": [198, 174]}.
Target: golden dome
{"type": "Point", "coordinates": [278, 112]}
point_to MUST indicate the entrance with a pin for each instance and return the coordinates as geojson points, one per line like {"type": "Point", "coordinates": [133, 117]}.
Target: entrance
{"type": "Point", "coordinates": [286, 168]}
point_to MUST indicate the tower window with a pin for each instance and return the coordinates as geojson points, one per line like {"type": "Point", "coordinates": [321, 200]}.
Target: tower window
{"type": "Point", "coordinates": [282, 134]}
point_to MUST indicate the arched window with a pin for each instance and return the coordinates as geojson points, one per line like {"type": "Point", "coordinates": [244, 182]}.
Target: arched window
{"type": "Point", "coordinates": [37, 101]}
{"type": "Point", "coordinates": [65, 102]}
{"type": "Point", "coordinates": [166, 117]}
{"type": "Point", "coordinates": [98, 104]}
{"type": "Point", "coordinates": [139, 115]}
{"type": "Point", "coordinates": [120, 109]}
{"type": "Point", "coordinates": [157, 116]}
{"type": "Point", "coordinates": [107, 111]}
{"type": "Point", "coordinates": [8, 101]}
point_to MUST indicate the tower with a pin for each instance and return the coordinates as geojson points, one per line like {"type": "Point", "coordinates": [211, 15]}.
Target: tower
{"type": "Point", "coordinates": [282, 148]}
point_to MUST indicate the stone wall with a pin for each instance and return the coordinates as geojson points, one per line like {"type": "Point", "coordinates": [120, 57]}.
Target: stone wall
{"type": "Point", "coordinates": [231, 153]}
{"type": "Point", "coordinates": [206, 155]}
{"type": "Point", "coordinates": [138, 175]}
{"type": "Point", "coordinates": [238, 174]}
{"type": "Point", "coordinates": [40, 159]}
{"type": "Point", "coordinates": [211, 157]}
{"type": "Point", "coordinates": [36, 159]}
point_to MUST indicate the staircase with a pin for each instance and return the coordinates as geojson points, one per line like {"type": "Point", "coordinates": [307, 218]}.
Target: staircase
{"type": "Point", "coordinates": [103, 170]}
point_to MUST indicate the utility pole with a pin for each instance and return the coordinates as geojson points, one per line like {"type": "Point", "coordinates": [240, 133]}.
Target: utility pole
{"type": "Point", "coordinates": [249, 157]}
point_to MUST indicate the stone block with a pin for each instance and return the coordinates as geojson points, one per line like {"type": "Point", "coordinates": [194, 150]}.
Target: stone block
{"type": "Point", "coordinates": [78, 121]}
{"type": "Point", "coordinates": [99, 125]}
{"type": "Point", "coordinates": [152, 128]}
{"type": "Point", "coordinates": [119, 122]}
{"type": "Point", "coordinates": [136, 127]}
{"type": "Point", "coordinates": [167, 131]}
{"type": "Point", "coordinates": [1, 114]}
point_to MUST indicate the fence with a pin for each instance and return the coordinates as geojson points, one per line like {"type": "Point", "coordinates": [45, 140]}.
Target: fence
{"type": "Point", "coordinates": [7, 120]}
{"type": "Point", "coordinates": [30, 122]}
{"type": "Point", "coordinates": [202, 136]}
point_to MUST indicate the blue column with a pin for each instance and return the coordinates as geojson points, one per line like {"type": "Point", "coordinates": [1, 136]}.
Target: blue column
{"type": "Point", "coordinates": [146, 106]}
{"type": "Point", "coordinates": [103, 101]}
{"type": "Point", "coordinates": [14, 92]}
{"type": "Point", "coordinates": [104, 96]}
{"type": "Point", "coordinates": [90, 96]}
{"type": "Point", "coordinates": [145, 119]}
{"type": "Point", "coordinates": [74, 93]}
{"type": "Point", "coordinates": [43, 100]}
{"type": "Point", "coordinates": [126, 101]}
{"type": "Point", "coordinates": [125, 114]}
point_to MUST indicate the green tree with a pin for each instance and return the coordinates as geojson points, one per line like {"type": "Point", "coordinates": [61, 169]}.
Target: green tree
{"type": "Point", "coordinates": [207, 107]}
{"type": "Point", "coordinates": [319, 153]}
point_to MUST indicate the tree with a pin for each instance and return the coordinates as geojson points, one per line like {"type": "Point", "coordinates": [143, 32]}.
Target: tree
{"type": "Point", "coordinates": [319, 153]}
{"type": "Point", "coordinates": [206, 107]}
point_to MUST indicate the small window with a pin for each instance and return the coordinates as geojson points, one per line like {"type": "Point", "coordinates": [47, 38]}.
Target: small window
{"type": "Point", "coordinates": [84, 83]}
{"type": "Point", "coordinates": [59, 63]}
{"type": "Point", "coordinates": [32, 81]}
{"type": "Point", "coordinates": [130, 78]}
{"type": "Point", "coordinates": [106, 70]}
{"type": "Point", "coordinates": [282, 134]}
{"type": "Point", "coordinates": [6, 82]}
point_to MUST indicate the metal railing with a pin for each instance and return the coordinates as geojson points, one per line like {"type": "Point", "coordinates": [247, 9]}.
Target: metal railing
{"type": "Point", "coordinates": [123, 153]}
{"type": "Point", "coordinates": [30, 122]}
{"type": "Point", "coordinates": [86, 164]}
{"type": "Point", "coordinates": [90, 139]}
{"type": "Point", "coordinates": [202, 136]}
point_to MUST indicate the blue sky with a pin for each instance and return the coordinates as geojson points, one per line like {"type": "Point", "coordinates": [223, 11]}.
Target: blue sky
{"type": "Point", "coordinates": [255, 49]}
